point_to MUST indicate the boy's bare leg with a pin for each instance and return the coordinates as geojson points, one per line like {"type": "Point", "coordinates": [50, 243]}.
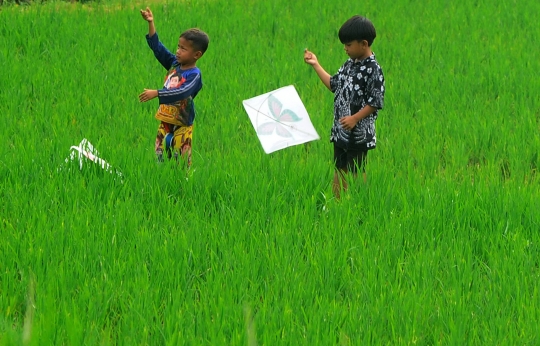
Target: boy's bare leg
{"type": "Point", "coordinates": [364, 176]}
{"type": "Point", "coordinates": [339, 183]}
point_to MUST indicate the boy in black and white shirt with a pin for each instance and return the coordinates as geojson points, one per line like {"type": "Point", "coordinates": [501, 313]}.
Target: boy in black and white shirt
{"type": "Point", "coordinates": [358, 89]}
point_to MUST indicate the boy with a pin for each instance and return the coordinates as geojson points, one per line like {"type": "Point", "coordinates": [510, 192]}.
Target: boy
{"type": "Point", "coordinates": [358, 89]}
{"type": "Point", "coordinates": [182, 83]}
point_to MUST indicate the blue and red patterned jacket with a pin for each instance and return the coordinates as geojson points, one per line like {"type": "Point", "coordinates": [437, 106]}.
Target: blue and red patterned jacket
{"type": "Point", "coordinates": [179, 89]}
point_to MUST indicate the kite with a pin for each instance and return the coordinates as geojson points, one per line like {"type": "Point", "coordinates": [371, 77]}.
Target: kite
{"type": "Point", "coordinates": [85, 151]}
{"type": "Point", "coordinates": [280, 119]}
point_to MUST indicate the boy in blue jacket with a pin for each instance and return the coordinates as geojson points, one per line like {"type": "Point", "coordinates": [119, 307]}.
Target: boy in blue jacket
{"type": "Point", "coordinates": [183, 82]}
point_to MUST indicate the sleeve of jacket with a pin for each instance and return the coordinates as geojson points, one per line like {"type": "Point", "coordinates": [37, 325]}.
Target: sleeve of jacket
{"type": "Point", "coordinates": [190, 87]}
{"type": "Point", "coordinates": [162, 54]}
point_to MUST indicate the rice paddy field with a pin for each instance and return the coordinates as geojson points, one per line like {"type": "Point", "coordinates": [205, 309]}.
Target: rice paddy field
{"type": "Point", "coordinates": [440, 246]}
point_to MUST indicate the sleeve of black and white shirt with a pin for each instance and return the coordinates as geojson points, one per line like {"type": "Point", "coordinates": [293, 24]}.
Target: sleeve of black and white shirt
{"type": "Point", "coordinates": [375, 86]}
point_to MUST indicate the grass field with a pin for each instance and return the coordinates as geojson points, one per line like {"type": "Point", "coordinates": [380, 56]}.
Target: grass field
{"type": "Point", "coordinates": [441, 246]}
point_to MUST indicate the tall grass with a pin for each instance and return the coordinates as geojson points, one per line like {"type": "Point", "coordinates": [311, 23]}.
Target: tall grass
{"type": "Point", "coordinates": [439, 247]}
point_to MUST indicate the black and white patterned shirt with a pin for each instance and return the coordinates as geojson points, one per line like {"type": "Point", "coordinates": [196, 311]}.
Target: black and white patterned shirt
{"type": "Point", "coordinates": [355, 85]}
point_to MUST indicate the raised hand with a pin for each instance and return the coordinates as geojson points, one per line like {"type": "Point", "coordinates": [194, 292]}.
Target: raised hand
{"type": "Point", "coordinates": [147, 15]}
{"type": "Point", "coordinates": [310, 58]}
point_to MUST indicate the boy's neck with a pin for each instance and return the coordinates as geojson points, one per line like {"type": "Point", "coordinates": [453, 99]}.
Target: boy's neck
{"type": "Point", "coordinates": [188, 66]}
{"type": "Point", "coordinates": [366, 55]}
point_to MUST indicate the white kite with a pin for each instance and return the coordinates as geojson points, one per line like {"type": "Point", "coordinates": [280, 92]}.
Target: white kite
{"type": "Point", "coordinates": [85, 151]}
{"type": "Point", "coordinates": [280, 119]}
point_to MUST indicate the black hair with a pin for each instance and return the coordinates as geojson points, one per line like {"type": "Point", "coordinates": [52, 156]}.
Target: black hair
{"type": "Point", "coordinates": [199, 39]}
{"type": "Point", "coordinates": [357, 28]}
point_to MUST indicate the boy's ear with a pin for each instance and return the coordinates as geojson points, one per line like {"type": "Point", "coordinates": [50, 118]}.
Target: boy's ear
{"type": "Point", "coordinates": [198, 54]}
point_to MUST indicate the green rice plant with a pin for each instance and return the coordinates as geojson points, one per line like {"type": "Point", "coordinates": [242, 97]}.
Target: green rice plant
{"type": "Point", "coordinates": [439, 246]}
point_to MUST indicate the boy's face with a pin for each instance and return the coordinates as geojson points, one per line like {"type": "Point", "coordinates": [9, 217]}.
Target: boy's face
{"type": "Point", "coordinates": [186, 54]}
{"type": "Point", "coordinates": [357, 49]}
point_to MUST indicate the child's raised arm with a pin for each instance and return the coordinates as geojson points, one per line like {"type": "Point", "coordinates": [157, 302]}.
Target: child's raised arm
{"type": "Point", "coordinates": [311, 59]}
{"type": "Point", "coordinates": [149, 17]}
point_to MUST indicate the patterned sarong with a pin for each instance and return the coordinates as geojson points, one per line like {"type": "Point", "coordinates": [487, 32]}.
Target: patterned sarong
{"type": "Point", "coordinates": [174, 139]}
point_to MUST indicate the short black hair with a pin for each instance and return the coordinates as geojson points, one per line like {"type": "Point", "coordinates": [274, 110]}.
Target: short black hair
{"type": "Point", "coordinates": [357, 28]}
{"type": "Point", "coordinates": [199, 39]}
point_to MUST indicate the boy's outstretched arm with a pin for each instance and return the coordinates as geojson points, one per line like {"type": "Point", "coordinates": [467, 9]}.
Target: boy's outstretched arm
{"type": "Point", "coordinates": [311, 59]}
{"type": "Point", "coordinates": [162, 54]}
{"type": "Point", "coordinates": [149, 17]}
{"type": "Point", "coordinates": [190, 87]}
{"type": "Point", "coordinates": [147, 95]}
